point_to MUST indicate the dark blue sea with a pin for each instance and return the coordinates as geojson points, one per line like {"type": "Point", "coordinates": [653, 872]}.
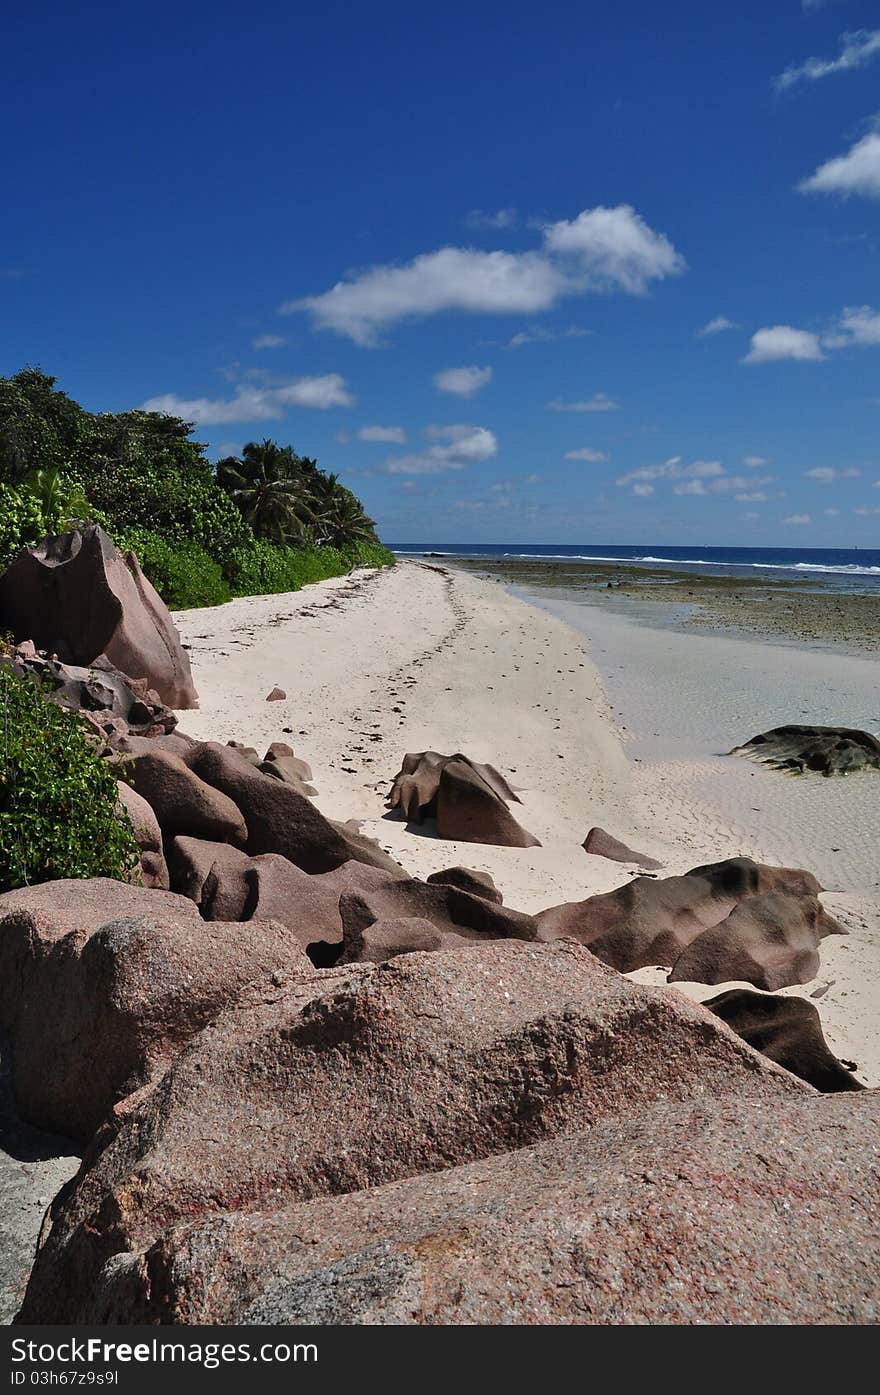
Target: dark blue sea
{"type": "Point", "coordinates": [838, 569]}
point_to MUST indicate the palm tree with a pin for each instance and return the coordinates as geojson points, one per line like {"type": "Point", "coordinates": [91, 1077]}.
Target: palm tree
{"type": "Point", "coordinates": [268, 486]}
{"type": "Point", "coordinates": [61, 500]}
{"type": "Point", "coordinates": [341, 518]}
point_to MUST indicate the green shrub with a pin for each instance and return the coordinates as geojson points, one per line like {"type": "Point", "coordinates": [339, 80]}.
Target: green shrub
{"type": "Point", "coordinates": [21, 523]}
{"type": "Point", "coordinates": [182, 572]}
{"type": "Point", "coordinates": [59, 810]}
{"type": "Point", "coordinates": [263, 569]}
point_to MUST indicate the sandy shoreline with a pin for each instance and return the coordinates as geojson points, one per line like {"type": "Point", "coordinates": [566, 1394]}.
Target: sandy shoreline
{"type": "Point", "coordinates": [424, 657]}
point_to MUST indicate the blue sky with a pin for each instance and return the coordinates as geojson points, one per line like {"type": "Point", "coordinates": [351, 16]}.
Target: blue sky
{"type": "Point", "coordinates": [580, 272]}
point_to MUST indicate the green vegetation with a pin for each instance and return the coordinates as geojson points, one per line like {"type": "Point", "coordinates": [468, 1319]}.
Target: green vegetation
{"type": "Point", "coordinates": [59, 809]}
{"type": "Point", "coordinates": [268, 521]}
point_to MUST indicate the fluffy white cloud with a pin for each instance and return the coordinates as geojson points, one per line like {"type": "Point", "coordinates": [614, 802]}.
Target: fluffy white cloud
{"type": "Point", "coordinates": [455, 448]}
{"type": "Point", "coordinates": [602, 249]}
{"type": "Point", "coordinates": [395, 434]}
{"type": "Point", "coordinates": [599, 402]}
{"type": "Point", "coordinates": [268, 341]}
{"type": "Point", "coordinates": [856, 51]}
{"type": "Point", "coordinates": [254, 403]}
{"type": "Point", "coordinates": [587, 453]}
{"type": "Point", "coordinates": [463, 382]}
{"type": "Point", "coordinates": [858, 324]}
{"type": "Point", "coordinates": [856, 172]}
{"type": "Point", "coordinates": [754, 462]}
{"type": "Point", "coordinates": [781, 342]}
{"type": "Point", "coordinates": [642, 490]}
{"type": "Point", "coordinates": [797, 520]}
{"type": "Point", "coordinates": [866, 513]}
{"type": "Point", "coordinates": [615, 249]}
{"type": "Point", "coordinates": [727, 484]}
{"type": "Point", "coordinates": [826, 474]}
{"type": "Point", "coordinates": [755, 496]}
{"type": "Point", "coordinates": [675, 469]}
{"type": "Point", "coordinates": [690, 487]}
{"type": "Point", "coordinates": [716, 326]}
{"type": "Point", "coordinates": [544, 335]}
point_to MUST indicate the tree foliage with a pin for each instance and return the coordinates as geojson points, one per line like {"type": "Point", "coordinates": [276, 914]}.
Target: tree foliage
{"type": "Point", "coordinates": [59, 808]}
{"type": "Point", "coordinates": [198, 530]}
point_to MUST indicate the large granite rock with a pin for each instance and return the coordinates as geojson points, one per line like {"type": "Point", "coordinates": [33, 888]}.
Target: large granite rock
{"type": "Point", "coordinates": [736, 919]}
{"type": "Point", "coordinates": [789, 1032]}
{"type": "Point", "coordinates": [359, 1076]}
{"type": "Point", "coordinates": [825, 750]}
{"type": "Point", "coordinates": [154, 869]}
{"type": "Point", "coordinates": [101, 984]}
{"type": "Point", "coordinates": [75, 596]}
{"type": "Point", "coordinates": [601, 844]}
{"type": "Point", "coordinates": [733, 1212]}
{"type": "Point", "coordinates": [468, 801]}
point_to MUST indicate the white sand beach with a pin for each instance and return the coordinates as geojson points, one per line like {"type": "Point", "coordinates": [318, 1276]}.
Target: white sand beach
{"type": "Point", "coordinates": [598, 720]}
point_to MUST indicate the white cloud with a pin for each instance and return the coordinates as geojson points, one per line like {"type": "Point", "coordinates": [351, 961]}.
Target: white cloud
{"type": "Point", "coordinates": [456, 447]}
{"type": "Point", "coordinates": [754, 462]}
{"type": "Point", "coordinates": [268, 341]}
{"type": "Point", "coordinates": [716, 326]}
{"type": "Point", "coordinates": [858, 324]}
{"type": "Point", "coordinates": [729, 483]}
{"type": "Point", "coordinates": [856, 51]}
{"type": "Point", "coordinates": [831, 513]}
{"type": "Point", "coordinates": [856, 172]}
{"type": "Point", "coordinates": [797, 520]}
{"type": "Point", "coordinates": [602, 249]}
{"type": "Point", "coordinates": [674, 469]}
{"type": "Point", "coordinates": [463, 382]}
{"type": "Point", "coordinates": [615, 249]}
{"type": "Point", "coordinates": [866, 513]}
{"type": "Point", "coordinates": [642, 490]}
{"type": "Point", "coordinates": [394, 434]}
{"type": "Point", "coordinates": [544, 335]}
{"type": "Point", "coordinates": [690, 487]}
{"type": "Point", "coordinates": [755, 496]}
{"type": "Point", "coordinates": [826, 474]}
{"type": "Point", "coordinates": [599, 402]}
{"type": "Point", "coordinates": [783, 342]}
{"type": "Point", "coordinates": [501, 218]}
{"type": "Point", "coordinates": [587, 453]}
{"type": "Point", "coordinates": [256, 404]}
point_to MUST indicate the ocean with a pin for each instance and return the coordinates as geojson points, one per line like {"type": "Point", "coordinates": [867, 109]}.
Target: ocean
{"type": "Point", "coordinates": [838, 569]}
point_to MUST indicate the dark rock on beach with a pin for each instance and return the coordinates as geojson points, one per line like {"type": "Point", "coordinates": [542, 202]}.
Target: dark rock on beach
{"type": "Point", "coordinates": [602, 844]}
{"type": "Point", "coordinates": [78, 598]}
{"type": "Point", "coordinates": [469, 801]}
{"type": "Point", "coordinates": [824, 750]}
{"type": "Point", "coordinates": [789, 1032]}
{"type": "Point", "coordinates": [728, 920]}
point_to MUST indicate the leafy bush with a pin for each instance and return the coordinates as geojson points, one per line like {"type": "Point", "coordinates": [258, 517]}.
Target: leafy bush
{"type": "Point", "coordinates": [263, 569]}
{"type": "Point", "coordinates": [21, 523]}
{"type": "Point", "coordinates": [182, 572]}
{"type": "Point", "coordinates": [59, 810]}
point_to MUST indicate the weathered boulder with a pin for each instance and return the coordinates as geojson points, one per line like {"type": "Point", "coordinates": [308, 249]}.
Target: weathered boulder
{"type": "Point", "coordinates": [825, 750]}
{"type": "Point", "coordinates": [101, 983]}
{"type": "Point", "coordinates": [771, 941]}
{"type": "Point", "coordinates": [184, 803]}
{"type": "Point", "coordinates": [655, 922]}
{"type": "Point", "coordinates": [415, 786]}
{"type": "Point", "coordinates": [469, 801]}
{"type": "Point", "coordinates": [358, 1076]}
{"type": "Point", "coordinates": [458, 917]}
{"type": "Point", "coordinates": [77, 597]}
{"type": "Point", "coordinates": [227, 884]}
{"type": "Point", "coordinates": [466, 879]}
{"type": "Point", "coordinates": [726, 1212]}
{"type": "Point", "coordinates": [279, 818]}
{"type": "Point", "coordinates": [154, 869]}
{"type": "Point", "coordinates": [601, 844]}
{"type": "Point", "coordinates": [789, 1032]}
